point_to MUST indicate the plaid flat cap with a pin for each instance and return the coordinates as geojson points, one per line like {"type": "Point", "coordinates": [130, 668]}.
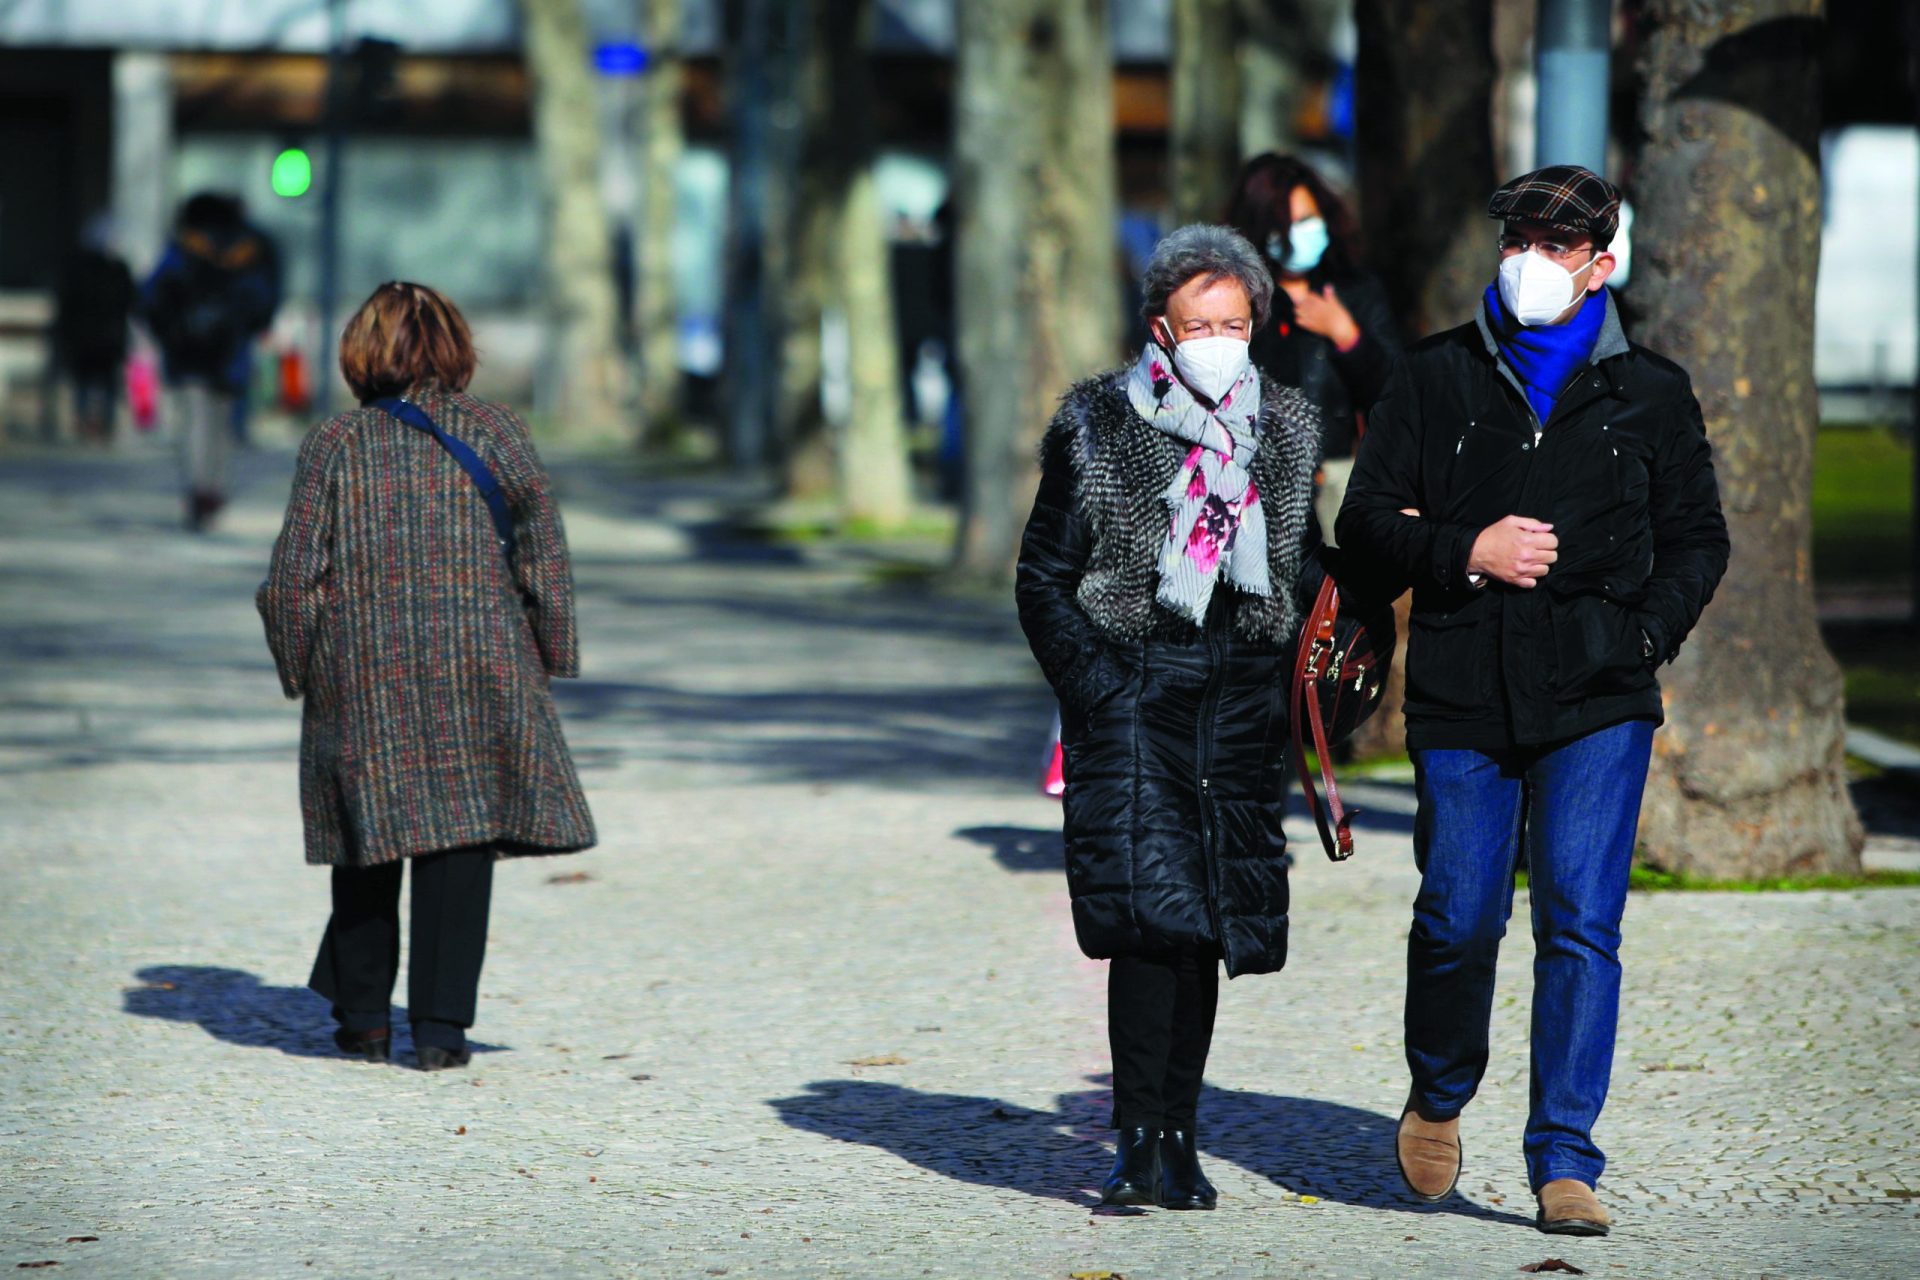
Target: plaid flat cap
{"type": "Point", "coordinates": [1565, 197]}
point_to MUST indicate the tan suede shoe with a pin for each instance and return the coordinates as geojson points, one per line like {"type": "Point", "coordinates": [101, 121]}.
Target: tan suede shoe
{"type": "Point", "coordinates": [1568, 1207]}
{"type": "Point", "coordinates": [1429, 1154]}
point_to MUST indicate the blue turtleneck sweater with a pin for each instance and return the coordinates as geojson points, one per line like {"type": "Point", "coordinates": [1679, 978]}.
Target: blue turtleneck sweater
{"type": "Point", "coordinates": [1546, 357]}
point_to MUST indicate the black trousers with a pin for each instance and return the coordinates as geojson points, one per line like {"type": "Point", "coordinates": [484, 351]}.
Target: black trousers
{"type": "Point", "coordinates": [359, 958]}
{"type": "Point", "coordinates": [1160, 1026]}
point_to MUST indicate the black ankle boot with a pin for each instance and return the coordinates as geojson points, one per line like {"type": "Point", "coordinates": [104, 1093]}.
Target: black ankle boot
{"type": "Point", "coordinates": [1182, 1185]}
{"type": "Point", "coordinates": [1136, 1168]}
{"type": "Point", "coordinates": [373, 1046]}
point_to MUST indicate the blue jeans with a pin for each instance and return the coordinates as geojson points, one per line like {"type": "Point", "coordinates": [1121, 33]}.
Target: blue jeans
{"type": "Point", "coordinates": [1577, 805]}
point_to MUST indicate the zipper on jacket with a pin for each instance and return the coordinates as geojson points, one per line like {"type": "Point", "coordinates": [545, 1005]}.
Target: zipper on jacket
{"type": "Point", "coordinates": [1203, 762]}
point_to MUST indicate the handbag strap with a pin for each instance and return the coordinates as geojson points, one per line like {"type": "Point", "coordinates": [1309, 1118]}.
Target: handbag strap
{"type": "Point", "coordinates": [1315, 648]}
{"type": "Point", "coordinates": [483, 479]}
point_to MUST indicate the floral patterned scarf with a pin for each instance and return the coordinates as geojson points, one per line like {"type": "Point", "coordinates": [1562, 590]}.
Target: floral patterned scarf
{"type": "Point", "coordinates": [1216, 522]}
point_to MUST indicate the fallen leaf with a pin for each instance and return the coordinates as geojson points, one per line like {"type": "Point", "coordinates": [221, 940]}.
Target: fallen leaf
{"type": "Point", "coordinates": [878, 1060]}
{"type": "Point", "coordinates": [614, 1057]}
{"type": "Point", "coordinates": [1309, 1199]}
{"type": "Point", "coordinates": [642, 1076]}
{"type": "Point", "coordinates": [592, 1179]}
{"type": "Point", "coordinates": [461, 1132]}
{"type": "Point", "coordinates": [1552, 1264]}
{"type": "Point", "coordinates": [569, 877]}
{"type": "Point", "coordinates": [1095, 1275]}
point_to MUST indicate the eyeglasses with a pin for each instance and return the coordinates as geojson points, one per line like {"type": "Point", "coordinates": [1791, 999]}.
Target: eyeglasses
{"type": "Point", "coordinates": [1551, 250]}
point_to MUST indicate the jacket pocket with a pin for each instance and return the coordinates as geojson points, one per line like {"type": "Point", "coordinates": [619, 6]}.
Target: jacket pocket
{"type": "Point", "coordinates": [1596, 649]}
{"type": "Point", "coordinates": [1446, 669]}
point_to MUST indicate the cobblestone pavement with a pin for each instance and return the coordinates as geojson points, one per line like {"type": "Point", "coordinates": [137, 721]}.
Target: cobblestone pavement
{"type": "Point", "coordinates": [814, 1007]}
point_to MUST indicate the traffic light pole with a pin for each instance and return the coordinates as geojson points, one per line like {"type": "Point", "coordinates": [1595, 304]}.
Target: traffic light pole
{"type": "Point", "coordinates": [1572, 61]}
{"type": "Point", "coordinates": [330, 199]}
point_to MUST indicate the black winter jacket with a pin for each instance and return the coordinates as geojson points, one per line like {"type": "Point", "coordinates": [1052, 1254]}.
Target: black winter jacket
{"type": "Point", "coordinates": [1175, 735]}
{"type": "Point", "coordinates": [1622, 470]}
{"type": "Point", "coordinates": [1340, 384]}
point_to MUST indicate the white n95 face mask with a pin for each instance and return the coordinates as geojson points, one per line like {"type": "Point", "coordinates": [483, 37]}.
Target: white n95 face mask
{"type": "Point", "coordinates": [1310, 243]}
{"type": "Point", "coordinates": [1211, 365]}
{"type": "Point", "coordinates": [1536, 291]}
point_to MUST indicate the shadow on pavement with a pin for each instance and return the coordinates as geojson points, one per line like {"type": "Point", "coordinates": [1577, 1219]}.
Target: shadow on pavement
{"type": "Point", "coordinates": [1021, 848]}
{"type": "Point", "coordinates": [235, 1006]}
{"type": "Point", "coordinates": [1317, 1148]}
{"type": "Point", "coordinates": [1305, 1145]}
{"type": "Point", "coordinates": [968, 1139]}
{"type": "Point", "coordinates": [826, 735]}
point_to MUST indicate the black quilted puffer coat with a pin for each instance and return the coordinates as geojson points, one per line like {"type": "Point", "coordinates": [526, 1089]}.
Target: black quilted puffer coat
{"type": "Point", "coordinates": [1175, 735]}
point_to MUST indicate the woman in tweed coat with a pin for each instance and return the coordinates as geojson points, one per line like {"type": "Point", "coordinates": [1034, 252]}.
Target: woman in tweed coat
{"type": "Point", "coordinates": [429, 733]}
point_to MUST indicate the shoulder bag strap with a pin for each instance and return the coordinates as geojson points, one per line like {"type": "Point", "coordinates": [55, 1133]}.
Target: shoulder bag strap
{"type": "Point", "coordinates": [1315, 648]}
{"type": "Point", "coordinates": [483, 479]}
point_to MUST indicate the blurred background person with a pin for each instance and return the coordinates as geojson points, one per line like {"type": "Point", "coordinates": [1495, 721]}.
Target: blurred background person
{"type": "Point", "coordinates": [423, 643]}
{"type": "Point", "coordinates": [1332, 332]}
{"type": "Point", "coordinates": [94, 304]}
{"type": "Point", "coordinates": [213, 291]}
{"type": "Point", "coordinates": [1159, 586]}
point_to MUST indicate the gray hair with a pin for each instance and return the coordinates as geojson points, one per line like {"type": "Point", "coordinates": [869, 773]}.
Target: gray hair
{"type": "Point", "coordinates": [1202, 249]}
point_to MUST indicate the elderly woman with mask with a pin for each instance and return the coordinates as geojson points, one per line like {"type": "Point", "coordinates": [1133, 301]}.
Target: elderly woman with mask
{"type": "Point", "coordinates": [1161, 586]}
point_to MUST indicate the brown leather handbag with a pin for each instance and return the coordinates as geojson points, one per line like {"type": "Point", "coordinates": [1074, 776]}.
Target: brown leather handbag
{"type": "Point", "coordinates": [1339, 672]}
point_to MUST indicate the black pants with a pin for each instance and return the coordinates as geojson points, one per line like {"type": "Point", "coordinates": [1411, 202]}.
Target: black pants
{"type": "Point", "coordinates": [359, 956]}
{"type": "Point", "coordinates": [1160, 1026]}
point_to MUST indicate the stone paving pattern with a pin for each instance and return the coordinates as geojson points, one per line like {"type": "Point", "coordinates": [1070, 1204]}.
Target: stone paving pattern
{"type": "Point", "coordinates": [814, 1007]}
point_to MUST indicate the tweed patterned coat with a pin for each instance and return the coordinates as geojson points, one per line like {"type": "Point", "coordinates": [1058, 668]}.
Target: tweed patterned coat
{"type": "Point", "coordinates": [424, 660]}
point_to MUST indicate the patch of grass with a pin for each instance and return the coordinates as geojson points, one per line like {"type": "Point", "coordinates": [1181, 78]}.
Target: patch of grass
{"type": "Point", "coordinates": [1650, 880]}
{"type": "Point", "coordinates": [1862, 506]}
{"type": "Point", "coordinates": [1881, 661]}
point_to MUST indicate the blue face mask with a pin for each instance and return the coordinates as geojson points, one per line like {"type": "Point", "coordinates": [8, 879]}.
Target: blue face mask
{"type": "Point", "coordinates": [1309, 236]}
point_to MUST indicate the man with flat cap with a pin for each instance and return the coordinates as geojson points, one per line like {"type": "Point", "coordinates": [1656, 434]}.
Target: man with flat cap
{"type": "Point", "coordinates": [1547, 487]}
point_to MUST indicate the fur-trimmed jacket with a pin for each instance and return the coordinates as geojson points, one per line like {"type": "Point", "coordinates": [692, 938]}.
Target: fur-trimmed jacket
{"type": "Point", "coordinates": [1175, 735]}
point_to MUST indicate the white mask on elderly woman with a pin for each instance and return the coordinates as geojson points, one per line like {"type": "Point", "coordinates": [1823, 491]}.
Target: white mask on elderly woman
{"type": "Point", "coordinates": [1211, 365]}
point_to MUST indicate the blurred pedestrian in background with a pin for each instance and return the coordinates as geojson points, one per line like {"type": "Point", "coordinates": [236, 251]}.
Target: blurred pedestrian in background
{"type": "Point", "coordinates": [95, 302]}
{"type": "Point", "coordinates": [1162, 580]}
{"type": "Point", "coordinates": [1332, 332]}
{"type": "Point", "coordinates": [214, 290]}
{"type": "Point", "coordinates": [423, 644]}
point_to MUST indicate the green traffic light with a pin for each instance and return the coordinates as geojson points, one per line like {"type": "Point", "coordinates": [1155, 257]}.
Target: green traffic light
{"type": "Point", "coordinates": [292, 173]}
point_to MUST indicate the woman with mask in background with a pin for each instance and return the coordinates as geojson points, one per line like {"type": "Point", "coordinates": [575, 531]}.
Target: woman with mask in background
{"type": "Point", "coordinates": [1160, 585]}
{"type": "Point", "coordinates": [1332, 332]}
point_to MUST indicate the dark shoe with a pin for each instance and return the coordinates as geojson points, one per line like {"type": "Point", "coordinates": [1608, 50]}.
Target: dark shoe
{"type": "Point", "coordinates": [434, 1058]}
{"type": "Point", "coordinates": [1136, 1169]}
{"type": "Point", "coordinates": [1182, 1185]}
{"type": "Point", "coordinates": [202, 506]}
{"type": "Point", "coordinates": [1429, 1154]}
{"type": "Point", "coordinates": [372, 1046]}
{"type": "Point", "coordinates": [1568, 1207]}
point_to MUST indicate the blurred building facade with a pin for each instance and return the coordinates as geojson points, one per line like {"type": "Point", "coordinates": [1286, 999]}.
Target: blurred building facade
{"type": "Point", "coordinates": [127, 106]}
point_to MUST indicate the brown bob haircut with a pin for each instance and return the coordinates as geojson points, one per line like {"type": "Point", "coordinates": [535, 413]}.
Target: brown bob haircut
{"type": "Point", "coordinates": [406, 338]}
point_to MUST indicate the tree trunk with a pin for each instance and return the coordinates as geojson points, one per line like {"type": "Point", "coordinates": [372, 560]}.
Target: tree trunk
{"type": "Point", "coordinates": [657, 318]}
{"type": "Point", "coordinates": [1424, 82]}
{"type": "Point", "coordinates": [1036, 266]}
{"type": "Point", "coordinates": [1283, 43]}
{"type": "Point", "coordinates": [1749, 777]}
{"type": "Point", "coordinates": [758, 61]}
{"type": "Point", "coordinates": [590, 384]}
{"type": "Point", "coordinates": [1204, 142]}
{"type": "Point", "coordinates": [807, 461]}
{"type": "Point", "coordinates": [876, 482]}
